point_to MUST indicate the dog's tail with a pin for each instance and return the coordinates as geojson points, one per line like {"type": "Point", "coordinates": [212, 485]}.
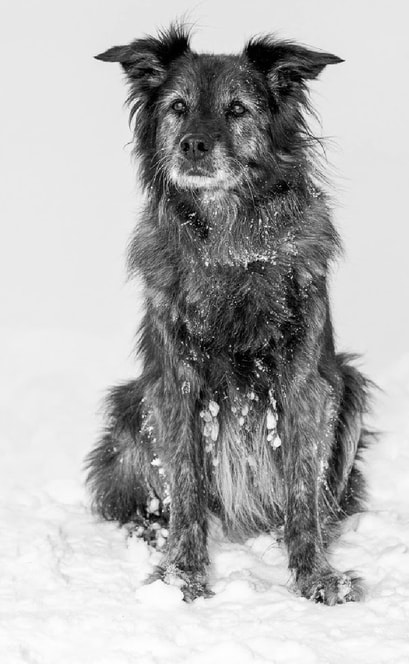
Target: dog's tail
{"type": "Point", "coordinates": [352, 437]}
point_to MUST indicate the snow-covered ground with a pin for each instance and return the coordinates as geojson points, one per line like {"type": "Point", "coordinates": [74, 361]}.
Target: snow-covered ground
{"type": "Point", "coordinates": [71, 588]}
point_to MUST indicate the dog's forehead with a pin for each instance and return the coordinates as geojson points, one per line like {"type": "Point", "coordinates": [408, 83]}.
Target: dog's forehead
{"type": "Point", "coordinates": [218, 77]}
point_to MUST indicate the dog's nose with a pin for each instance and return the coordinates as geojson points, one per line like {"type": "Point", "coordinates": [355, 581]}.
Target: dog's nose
{"type": "Point", "coordinates": [195, 146]}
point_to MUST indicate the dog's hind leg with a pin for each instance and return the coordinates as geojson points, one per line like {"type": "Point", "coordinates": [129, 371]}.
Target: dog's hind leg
{"type": "Point", "coordinates": [345, 477]}
{"type": "Point", "coordinates": [125, 475]}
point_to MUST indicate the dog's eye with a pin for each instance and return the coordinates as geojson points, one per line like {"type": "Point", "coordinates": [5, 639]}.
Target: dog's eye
{"type": "Point", "coordinates": [237, 108]}
{"type": "Point", "coordinates": [179, 106]}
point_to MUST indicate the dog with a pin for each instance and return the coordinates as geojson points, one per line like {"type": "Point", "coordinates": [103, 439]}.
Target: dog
{"type": "Point", "coordinates": [243, 409]}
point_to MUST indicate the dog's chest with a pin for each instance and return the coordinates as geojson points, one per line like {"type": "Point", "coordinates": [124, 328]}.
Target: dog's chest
{"type": "Point", "coordinates": [243, 302]}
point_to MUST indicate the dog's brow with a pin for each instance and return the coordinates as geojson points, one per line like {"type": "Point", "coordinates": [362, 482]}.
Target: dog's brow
{"type": "Point", "coordinates": [226, 97]}
{"type": "Point", "coordinates": [177, 92]}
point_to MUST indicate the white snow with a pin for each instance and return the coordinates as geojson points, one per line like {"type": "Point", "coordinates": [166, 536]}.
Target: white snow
{"type": "Point", "coordinates": [71, 587]}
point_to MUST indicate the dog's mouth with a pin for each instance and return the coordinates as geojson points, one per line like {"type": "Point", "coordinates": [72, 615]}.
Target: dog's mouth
{"type": "Point", "coordinates": [196, 169]}
{"type": "Point", "coordinates": [197, 172]}
{"type": "Point", "coordinates": [198, 177]}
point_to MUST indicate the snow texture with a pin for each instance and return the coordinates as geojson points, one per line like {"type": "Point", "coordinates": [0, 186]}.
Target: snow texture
{"type": "Point", "coordinates": [72, 587]}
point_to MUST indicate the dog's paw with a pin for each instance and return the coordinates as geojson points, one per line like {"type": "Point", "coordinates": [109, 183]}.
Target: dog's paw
{"type": "Point", "coordinates": [333, 588]}
{"type": "Point", "coordinates": [192, 585]}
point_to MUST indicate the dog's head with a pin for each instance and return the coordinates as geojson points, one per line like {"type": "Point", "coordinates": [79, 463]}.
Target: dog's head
{"type": "Point", "coordinates": [217, 121]}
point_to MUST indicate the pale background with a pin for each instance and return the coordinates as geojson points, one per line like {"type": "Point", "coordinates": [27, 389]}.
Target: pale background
{"type": "Point", "coordinates": [71, 586]}
{"type": "Point", "coordinates": [69, 197]}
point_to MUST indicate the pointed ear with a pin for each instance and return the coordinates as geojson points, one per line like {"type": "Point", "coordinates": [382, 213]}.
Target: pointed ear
{"type": "Point", "coordinates": [284, 59]}
{"type": "Point", "coordinates": [146, 61]}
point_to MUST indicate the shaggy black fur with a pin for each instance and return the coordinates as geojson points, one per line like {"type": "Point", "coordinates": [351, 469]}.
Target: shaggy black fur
{"type": "Point", "coordinates": [243, 407]}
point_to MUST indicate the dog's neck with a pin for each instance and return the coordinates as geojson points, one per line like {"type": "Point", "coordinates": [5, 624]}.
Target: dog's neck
{"type": "Point", "coordinates": [225, 211]}
{"type": "Point", "coordinates": [219, 229]}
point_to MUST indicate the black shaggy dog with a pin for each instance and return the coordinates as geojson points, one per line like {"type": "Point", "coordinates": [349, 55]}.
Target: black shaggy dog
{"type": "Point", "coordinates": [243, 408]}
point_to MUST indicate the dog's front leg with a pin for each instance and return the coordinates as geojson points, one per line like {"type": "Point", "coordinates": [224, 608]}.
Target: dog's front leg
{"type": "Point", "coordinates": [186, 559]}
{"type": "Point", "coordinates": [309, 420]}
